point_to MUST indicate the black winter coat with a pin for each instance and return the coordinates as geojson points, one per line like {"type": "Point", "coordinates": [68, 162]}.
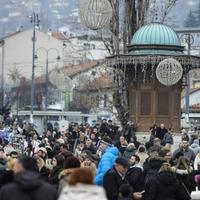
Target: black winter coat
{"type": "Point", "coordinates": [28, 186]}
{"type": "Point", "coordinates": [161, 132]}
{"type": "Point", "coordinates": [112, 182]}
{"type": "Point", "coordinates": [53, 177]}
{"type": "Point", "coordinates": [165, 186]}
{"type": "Point", "coordinates": [135, 178]}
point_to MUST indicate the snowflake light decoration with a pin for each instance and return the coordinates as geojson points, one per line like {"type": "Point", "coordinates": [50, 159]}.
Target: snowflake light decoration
{"type": "Point", "coordinates": [95, 14]}
{"type": "Point", "coordinates": [169, 72]}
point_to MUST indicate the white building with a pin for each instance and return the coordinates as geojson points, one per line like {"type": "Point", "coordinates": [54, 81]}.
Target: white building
{"type": "Point", "coordinates": [18, 53]}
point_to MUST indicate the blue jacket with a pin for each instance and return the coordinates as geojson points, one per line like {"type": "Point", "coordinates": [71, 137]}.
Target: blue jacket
{"type": "Point", "coordinates": [106, 163]}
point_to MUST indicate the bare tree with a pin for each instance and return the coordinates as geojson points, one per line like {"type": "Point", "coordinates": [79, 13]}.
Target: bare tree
{"type": "Point", "coordinates": [166, 8]}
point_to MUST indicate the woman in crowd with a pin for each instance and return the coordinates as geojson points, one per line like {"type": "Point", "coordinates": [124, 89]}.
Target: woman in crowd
{"type": "Point", "coordinates": [89, 164]}
{"type": "Point", "coordinates": [80, 186]}
{"type": "Point", "coordinates": [184, 174]}
{"type": "Point", "coordinates": [165, 186]}
{"type": "Point", "coordinates": [57, 163]}
{"type": "Point", "coordinates": [70, 164]}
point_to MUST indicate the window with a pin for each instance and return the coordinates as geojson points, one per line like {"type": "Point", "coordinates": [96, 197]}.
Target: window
{"type": "Point", "coordinates": [163, 103]}
{"type": "Point", "coordinates": [133, 103]}
{"type": "Point", "coordinates": [145, 103]}
{"type": "Point", "coordinates": [176, 104]}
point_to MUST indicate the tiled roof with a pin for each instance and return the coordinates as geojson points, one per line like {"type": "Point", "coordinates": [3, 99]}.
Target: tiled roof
{"type": "Point", "coordinates": [102, 82]}
{"type": "Point", "coordinates": [69, 71]}
{"type": "Point", "coordinates": [79, 68]}
{"type": "Point", "coordinates": [59, 35]}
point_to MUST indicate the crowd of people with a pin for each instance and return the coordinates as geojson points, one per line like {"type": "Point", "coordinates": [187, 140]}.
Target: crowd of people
{"type": "Point", "coordinates": [101, 162]}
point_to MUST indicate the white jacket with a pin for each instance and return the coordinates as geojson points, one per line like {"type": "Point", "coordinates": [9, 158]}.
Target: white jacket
{"type": "Point", "coordinates": [82, 192]}
{"type": "Point", "coordinates": [197, 161]}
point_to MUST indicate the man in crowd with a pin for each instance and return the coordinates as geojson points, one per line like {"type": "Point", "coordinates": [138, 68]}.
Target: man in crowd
{"type": "Point", "coordinates": [27, 184]}
{"type": "Point", "coordinates": [161, 131]}
{"type": "Point", "coordinates": [185, 150]}
{"type": "Point", "coordinates": [135, 174]}
{"type": "Point", "coordinates": [115, 177]}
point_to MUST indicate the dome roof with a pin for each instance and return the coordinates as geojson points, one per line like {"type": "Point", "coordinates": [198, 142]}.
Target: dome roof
{"type": "Point", "coordinates": [156, 34]}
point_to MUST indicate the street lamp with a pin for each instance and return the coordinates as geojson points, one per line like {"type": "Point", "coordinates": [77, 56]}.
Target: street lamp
{"type": "Point", "coordinates": [34, 19]}
{"type": "Point", "coordinates": [47, 69]}
{"type": "Point", "coordinates": [2, 43]}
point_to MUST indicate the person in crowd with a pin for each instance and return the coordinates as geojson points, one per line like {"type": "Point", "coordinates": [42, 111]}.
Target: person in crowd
{"type": "Point", "coordinates": [184, 173]}
{"type": "Point", "coordinates": [129, 132]}
{"type": "Point", "coordinates": [195, 147]}
{"type": "Point", "coordinates": [165, 186]}
{"type": "Point", "coordinates": [166, 154]}
{"type": "Point", "coordinates": [64, 148]}
{"type": "Point", "coordinates": [135, 174]}
{"type": "Point", "coordinates": [89, 163]}
{"type": "Point", "coordinates": [106, 163]}
{"type": "Point", "coordinates": [42, 153]}
{"type": "Point", "coordinates": [111, 130]}
{"type": "Point", "coordinates": [103, 128]}
{"type": "Point", "coordinates": [14, 154]}
{"type": "Point", "coordinates": [103, 144]}
{"type": "Point", "coordinates": [3, 160]}
{"type": "Point", "coordinates": [123, 144]}
{"type": "Point", "coordinates": [153, 130]}
{"type": "Point", "coordinates": [125, 192]}
{"type": "Point", "coordinates": [168, 138]}
{"type": "Point", "coordinates": [115, 177]}
{"type": "Point", "coordinates": [156, 145]}
{"type": "Point", "coordinates": [142, 153]}
{"type": "Point", "coordinates": [129, 151]}
{"type": "Point", "coordinates": [7, 175]}
{"type": "Point", "coordinates": [57, 163]}
{"type": "Point", "coordinates": [151, 167]}
{"type": "Point", "coordinates": [80, 186]}
{"type": "Point", "coordinates": [197, 162]}
{"type": "Point", "coordinates": [27, 184]}
{"type": "Point", "coordinates": [43, 171]}
{"type": "Point", "coordinates": [70, 164]}
{"type": "Point", "coordinates": [161, 131]}
{"type": "Point", "coordinates": [35, 143]}
{"type": "Point", "coordinates": [187, 152]}
{"type": "Point", "coordinates": [89, 146]}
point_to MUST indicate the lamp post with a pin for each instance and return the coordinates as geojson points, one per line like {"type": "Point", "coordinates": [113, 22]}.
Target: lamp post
{"type": "Point", "coordinates": [189, 39]}
{"type": "Point", "coordinates": [47, 69]}
{"type": "Point", "coordinates": [35, 21]}
{"type": "Point", "coordinates": [2, 43]}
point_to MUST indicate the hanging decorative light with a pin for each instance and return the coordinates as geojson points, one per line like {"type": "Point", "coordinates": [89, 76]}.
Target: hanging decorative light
{"type": "Point", "coordinates": [169, 72]}
{"type": "Point", "coordinates": [95, 14]}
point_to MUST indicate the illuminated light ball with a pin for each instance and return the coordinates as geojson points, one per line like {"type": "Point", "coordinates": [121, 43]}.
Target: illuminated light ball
{"type": "Point", "coordinates": [95, 14]}
{"type": "Point", "coordinates": [169, 72]}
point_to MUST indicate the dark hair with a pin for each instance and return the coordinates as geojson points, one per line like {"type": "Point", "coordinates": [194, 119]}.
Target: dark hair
{"type": "Point", "coordinates": [67, 154]}
{"type": "Point", "coordinates": [71, 162]}
{"type": "Point", "coordinates": [185, 138]}
{"type": "Point", "coordinates": [163, 152]}
{"type": "Point", "coordinates": [137, 158]}
{"type": "Point", "coordinates": [60, 160]}
{"type": "Point", "coordinates": [81, 175]}
{"type": "Point", "coordinates": [28, 163]}
{"type": "Point", "coordinates": [141, 149]}
{"type": "Point", "coordinates": [13, 153]}
{"type": "Point", "coordinates": [64, 146]}
{"type": "Point", "coordinates": [125, 190]}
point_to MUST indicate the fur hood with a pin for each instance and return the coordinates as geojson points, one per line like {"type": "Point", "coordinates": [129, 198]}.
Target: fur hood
{"type": "Point", "coordinates": [65, 172]}
{"type": "Point", "coordinates": [83, 191]}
